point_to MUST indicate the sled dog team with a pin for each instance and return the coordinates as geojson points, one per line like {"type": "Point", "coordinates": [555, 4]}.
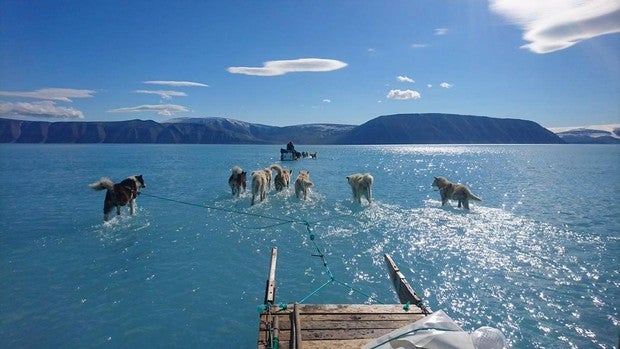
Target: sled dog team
{"type": "Point", "coordinates": [261, 183]}
{"type": "Point", "coordinates": [126, 192]}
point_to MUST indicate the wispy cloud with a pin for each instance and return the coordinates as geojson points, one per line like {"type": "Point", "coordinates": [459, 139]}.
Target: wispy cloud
{"type": "Point", "coordinates": [404, 79]}
{"type": "Point", "coordinates": [176, 83]}
{"type": "Point", "coordinates": [441, 31]}
{"type": "Point", "coordinates": [419, 45]}
{"type": "Point", "coordinates": [554, 25]}
{"type": "Point", "coordinates": [160, 109]}
{"type": "Point", "coordinates": [43, 109]}
{"type": "Point", "coordinates": [402, 95]}
{"type": "Point", "coordinates": [327, 100]}
{"type": "Point", "coordinates": [274, 68]}
{"type": "Point", "coordinates": [446, 85]}
{"type": "Point", "coordinates": [163, 94]}
{"type": "Point", "coordinates": [50, 94]}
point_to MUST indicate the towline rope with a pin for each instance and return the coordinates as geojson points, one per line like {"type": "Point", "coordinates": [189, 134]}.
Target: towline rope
{"type": "Point", "coordinates": [332, 279]}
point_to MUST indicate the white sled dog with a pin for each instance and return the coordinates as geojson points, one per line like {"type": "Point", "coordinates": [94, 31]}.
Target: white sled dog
{"type": "Point", "coordinates": [259, 185]}
{"type": "Point", "coordinates": [451, 191]}
{"type": "Point", "coordinates": [283, 177]}
{"type": "Point", "coordinates": [303, 184]}
{"type": "Point", "coordinates": [360, 186]}
{"type": "Point", "coordinates": [119, 194]}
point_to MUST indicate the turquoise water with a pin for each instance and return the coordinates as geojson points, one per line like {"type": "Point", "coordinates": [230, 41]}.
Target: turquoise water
{"type": "Point", "coordinates": [538, 258]}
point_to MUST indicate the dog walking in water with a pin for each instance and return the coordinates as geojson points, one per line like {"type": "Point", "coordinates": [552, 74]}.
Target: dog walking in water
{"type": "Point", "coordinates": [259, 185]}
{"type": "Point", "coordinates": [283, 177]}
{"type": "Point", "coordinates": [451, 191]}
{"type": "Point", "coordinates": [119, 194]}
{"type": "Point", "coordinates": [360, 186]}
{"type": "Point", "coordinates": [303, 184]}
{"type": "Point", "coordinates": [237, 180]}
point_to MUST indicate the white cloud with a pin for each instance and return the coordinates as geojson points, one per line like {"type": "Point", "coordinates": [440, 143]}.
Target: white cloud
{"type": "Point", "coordinates": [43, 109]}
{"type": "Point", "coordinates": [327, 100]}
{"type": "Point", "coordinates": [553, 25]}
{"type": "Point", "coordinates": [419, 45]}
{"type": "Point", "coordinates": [441, 31]}
{"type": "Point", "coordinates": [404, 79]}
{"type": "Point", "coordinates": [429, 85]}
{"type": "Point", "coordinates": [402, 95]}
{"type": "Point", "coordinates": [446, 85]}
{"type": "Point", "coordinates": [50, 94]}
{"type": "Point", "coordinates": [273, 68]}
{"type": "Point", "coordinates": [176, 83]}
{"type": "Point", "coordinates": [163, 94]}
{"type": "Point", "coordinates": [160, 109]}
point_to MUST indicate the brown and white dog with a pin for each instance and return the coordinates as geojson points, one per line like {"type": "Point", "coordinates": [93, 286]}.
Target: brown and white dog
{"type": "Point", "coordinates": [237, 180]}
{"type": "Point", "coordinates": [360, 186]}
{"type": "Point", "coordinates": [259, 185]}
{"type": "Point", "coordinates": [119, 194]}
{"type": "Point", "coordinates": [268, 176]}
{"type": "Point", "coordinates": [451, 191]}
{"type": "Point", "coordinates": [303, 184]}
{"type": "Point", "coordinates": [283, 177]}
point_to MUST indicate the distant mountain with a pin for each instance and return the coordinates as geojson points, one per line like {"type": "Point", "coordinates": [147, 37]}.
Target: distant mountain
{"type": "Point", "coordinates": [389, 129]}
{"type": "Point", "coordinates": [448, 129]}
{"type": "Point", "coordinates": [302, 134]}
{"type": "Point", "coordinates": [599, 134]}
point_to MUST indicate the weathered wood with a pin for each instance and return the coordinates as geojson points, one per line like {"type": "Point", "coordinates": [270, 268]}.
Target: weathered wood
{"type": "Point", "coordinates": [404, 291]}
{"type": "Point", "coordinates": [322, 326]}
{"type": "Point", "coordinates": [340, 344]}
{"type": "Point", "coordinates": [336, 324]}
{"type": "Point", "coordinates": [270, 289]}
{"type": "Point", "coordinates": [356, 308]}
{"type": "Point", "coordinates": [297, 317]}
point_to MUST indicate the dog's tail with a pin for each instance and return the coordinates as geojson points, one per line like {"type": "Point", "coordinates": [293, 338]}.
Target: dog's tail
{"type": "Point", "coordinates": [277, 168]}
{"type": "Point", "coordinates": [104, 183]}
{"type": "Point", "coordinates": [471, 196]}
{"type": "Point", "coordinates": [368, 178]}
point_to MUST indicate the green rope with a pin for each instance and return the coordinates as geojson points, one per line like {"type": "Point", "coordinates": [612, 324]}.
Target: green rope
{"type": "Point", "coordinates": [282, 221]}
{"type": "Point", "coordinates": [221, 209]}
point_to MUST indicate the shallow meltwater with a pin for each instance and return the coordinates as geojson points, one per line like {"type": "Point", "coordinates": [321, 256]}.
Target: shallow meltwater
{"type": "Point", "coordinates": [484, 267]}
{"type": "Point", "coordinates": [189, 268]}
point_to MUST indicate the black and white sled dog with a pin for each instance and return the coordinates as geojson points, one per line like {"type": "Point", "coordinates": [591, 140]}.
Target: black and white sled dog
{"type": "Point", "coordinates": [119, 194]}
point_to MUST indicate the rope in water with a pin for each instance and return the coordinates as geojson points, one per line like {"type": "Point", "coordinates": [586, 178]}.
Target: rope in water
{"type": "Point", "coordinates": [332, 279]}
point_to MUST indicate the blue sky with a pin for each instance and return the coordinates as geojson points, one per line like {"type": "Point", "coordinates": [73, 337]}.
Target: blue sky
{"type": "Point", "coordinates": [555, 62]}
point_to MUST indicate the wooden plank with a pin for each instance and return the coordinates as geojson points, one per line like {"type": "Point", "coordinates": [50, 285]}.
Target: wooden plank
{"type": "Point", "coordinates": [369, 333]}
{"type": "Point", "coordinates": [352, 325]}
{"type": "Point", "coordinates": [404, 291]}
{"type": "Point", "coordinates": [340, 344]}
{"type": "Point", "coordinates": [270, 289]}
{"type": "Point", "coordinates": [363, 317]}
{"type": "Point", "coordinates": [357, 308]}
{"type": "Point", "coordinates": [297, 319]}
{"type": "Point", "coordinates": [338, 323]}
